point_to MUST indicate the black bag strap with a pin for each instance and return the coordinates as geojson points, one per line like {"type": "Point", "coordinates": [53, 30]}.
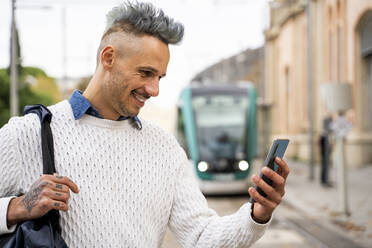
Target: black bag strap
{"type": "Point", "coordinates": [47, 146]}
{"type": "Point", "coordinates": [47, 149]}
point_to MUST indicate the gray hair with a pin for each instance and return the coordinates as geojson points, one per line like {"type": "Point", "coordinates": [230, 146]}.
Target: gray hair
{"type": "Point", "coordinates": [143, 18]}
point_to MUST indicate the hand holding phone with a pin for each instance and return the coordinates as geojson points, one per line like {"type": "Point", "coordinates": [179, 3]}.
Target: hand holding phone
{"type": "Point", "coordinates": [277, 149]}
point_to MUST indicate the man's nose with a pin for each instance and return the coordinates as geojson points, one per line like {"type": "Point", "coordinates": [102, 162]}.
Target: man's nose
{"type": "Point", "coordinates": [152, 87]}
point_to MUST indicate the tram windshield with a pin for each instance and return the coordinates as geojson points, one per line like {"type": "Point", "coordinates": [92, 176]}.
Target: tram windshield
{"type": "Point", "coordinates": [220, 125]}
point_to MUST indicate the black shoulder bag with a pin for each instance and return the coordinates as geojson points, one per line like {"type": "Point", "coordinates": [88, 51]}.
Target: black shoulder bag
{"type": "Point", "coordinates": [46, 230]}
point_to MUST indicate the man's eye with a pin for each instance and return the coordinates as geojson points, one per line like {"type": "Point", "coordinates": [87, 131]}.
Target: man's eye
{"type": "Point", "coordinates": [147, 73]}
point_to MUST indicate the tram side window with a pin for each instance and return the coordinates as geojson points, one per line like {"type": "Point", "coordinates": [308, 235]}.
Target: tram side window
{"type": "Point", "coordinates": [181, 136]}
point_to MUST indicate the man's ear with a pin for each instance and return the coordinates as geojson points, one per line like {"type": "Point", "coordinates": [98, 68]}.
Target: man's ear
{"type": "Point", "coordinates": [107, 56]}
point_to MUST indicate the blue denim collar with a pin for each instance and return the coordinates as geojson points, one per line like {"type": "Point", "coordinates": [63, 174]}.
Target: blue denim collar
{"type": "Point", "coordinates": [80, 106]}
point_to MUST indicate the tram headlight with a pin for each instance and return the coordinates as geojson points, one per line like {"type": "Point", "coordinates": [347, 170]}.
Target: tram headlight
{"type": "Point", "coordinates": [203, 166]}
{"type": "Point", "coordinates": [243, 165]}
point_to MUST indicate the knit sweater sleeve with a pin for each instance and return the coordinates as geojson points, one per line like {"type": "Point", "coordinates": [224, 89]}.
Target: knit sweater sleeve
{"type": "Point", "coordinates": [196, 225]}
{"type": "Point", "coordinates": [9, 173]}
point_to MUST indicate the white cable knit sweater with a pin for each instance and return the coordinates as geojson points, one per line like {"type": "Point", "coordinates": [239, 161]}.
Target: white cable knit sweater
{"type": "Point", "coordinates": [133, 183]}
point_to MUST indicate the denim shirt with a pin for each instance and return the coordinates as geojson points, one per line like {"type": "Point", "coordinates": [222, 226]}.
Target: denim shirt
{"type": "Point", "coordinates": [80, 106]}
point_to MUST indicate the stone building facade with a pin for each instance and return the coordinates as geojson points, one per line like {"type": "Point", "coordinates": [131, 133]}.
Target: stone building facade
{"type": "Point", "coordinates": [341, 45]}
{"type": "Point", "coordinates": [244, 66]}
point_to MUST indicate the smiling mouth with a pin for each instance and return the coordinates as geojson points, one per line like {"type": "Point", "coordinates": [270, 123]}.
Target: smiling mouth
{"type": "Point", "coordinates": [140, 97]}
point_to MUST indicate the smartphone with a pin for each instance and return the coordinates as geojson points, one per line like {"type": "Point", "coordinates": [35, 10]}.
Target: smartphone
{"type": "Point", "coordinates": [277, 149]}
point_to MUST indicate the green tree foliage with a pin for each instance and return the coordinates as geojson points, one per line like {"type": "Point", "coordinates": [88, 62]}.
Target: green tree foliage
{"type": "Point", "coordinates": [43, 90]}
{"type": "Point", "coordinates": [27, 95]}
{"type": "Point", "coordinates": [4, 97]}
{"type": "Point", "coordinates": [33, 71]}
{"type": "Point", "coordinates": [47, 86]}
{"type": "Point", "coordinates": [41, 83]}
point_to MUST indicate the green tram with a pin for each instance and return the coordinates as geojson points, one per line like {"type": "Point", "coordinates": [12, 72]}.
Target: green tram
{"type": "Point", "coordinates": [216, 125]}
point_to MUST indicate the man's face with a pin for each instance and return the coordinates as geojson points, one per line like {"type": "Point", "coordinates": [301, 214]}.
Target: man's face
{"type": "Point", "coordinates": [134, 78]}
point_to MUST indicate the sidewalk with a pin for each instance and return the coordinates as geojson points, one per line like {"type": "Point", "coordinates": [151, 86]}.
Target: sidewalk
{"type": "Point", "coordinates": [323, 204]}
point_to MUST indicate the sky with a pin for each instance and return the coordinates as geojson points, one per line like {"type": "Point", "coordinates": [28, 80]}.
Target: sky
{"type": "Point", "coordinates": [214, 30]}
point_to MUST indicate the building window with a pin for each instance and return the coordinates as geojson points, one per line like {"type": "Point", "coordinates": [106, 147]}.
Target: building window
{"type": "Point", "coordinates": [366, 35]}
{"type": "Point", "coordinates": [365, 39]}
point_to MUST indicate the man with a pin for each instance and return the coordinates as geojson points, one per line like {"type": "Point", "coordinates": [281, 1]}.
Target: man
{"type": "Point", "coordinates": [325, 151]}
{"type": "Point", "coordinates": [133, 177]}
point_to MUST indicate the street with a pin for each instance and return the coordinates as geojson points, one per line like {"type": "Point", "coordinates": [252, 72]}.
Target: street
{"type": "Point", "coordinates": [289, 228]}
{"type": "Point", "coordinates": [309, 215]}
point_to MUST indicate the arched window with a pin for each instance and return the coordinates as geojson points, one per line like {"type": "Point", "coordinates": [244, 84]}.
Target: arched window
{"type": "Point", "coordinates": [365, 53]}
{"type": "Point", "coordinates": [365, 32]}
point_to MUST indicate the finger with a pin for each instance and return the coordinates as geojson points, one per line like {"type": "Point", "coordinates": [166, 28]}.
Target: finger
{"type": "Point", "coordinates": [47, 183]}
{"type": "Point", "coordinates": [58, 205]}
{"type": "Point", "coordinates": [64, 180]}
{"type": "Point", "coordinates": [56, 195]}
{"type": "Point", "coordinates": [284, 169]}
{"type": "Point", "coordinates": [271, 193]}
{"type": "Point", "coordinates": [278, 180]}
{"type": "Point", "coordinates": [261, 200]}
{"type": "Point", "coordinates": [67, 181]}
{"type": "Point", "coordinates": [60, 187]}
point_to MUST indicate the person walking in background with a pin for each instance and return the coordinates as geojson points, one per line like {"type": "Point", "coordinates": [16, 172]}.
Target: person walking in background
{"type": "Point", "coordinates": [325, 151]}
{"type": "Point", "coordinates": [131, 179]}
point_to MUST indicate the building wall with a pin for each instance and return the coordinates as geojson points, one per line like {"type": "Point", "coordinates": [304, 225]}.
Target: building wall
{"type": "Point", "coordinates": [244, 66]}
{"type": "Point", "coordinates": [362, 135]}
{"type": "Point", "coordinates": [336, 58]}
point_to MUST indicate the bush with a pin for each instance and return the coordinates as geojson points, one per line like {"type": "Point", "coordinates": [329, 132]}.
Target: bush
{"type": "Point", "coordinates": [27, 95]}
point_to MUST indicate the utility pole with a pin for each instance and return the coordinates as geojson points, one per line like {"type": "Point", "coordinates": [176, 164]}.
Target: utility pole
{"type": "Point", "coordinates": [14, 103]}
{"type": "Point", "coordinates": [310, 90]}
{"type": "Point", "coordinates": [338, 99]}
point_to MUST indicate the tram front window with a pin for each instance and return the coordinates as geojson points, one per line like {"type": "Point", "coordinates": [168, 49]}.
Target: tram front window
{"type": "Point", "coordinates": [220, 124]}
